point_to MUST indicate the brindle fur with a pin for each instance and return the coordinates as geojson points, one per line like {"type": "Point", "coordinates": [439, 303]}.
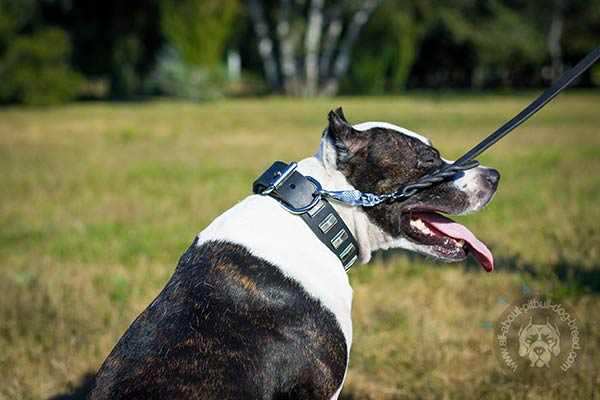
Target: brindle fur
{"type": "Point", "coordinates": [228, 325]}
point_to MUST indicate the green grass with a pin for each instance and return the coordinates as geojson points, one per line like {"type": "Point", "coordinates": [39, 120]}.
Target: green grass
{"type": "Point", "coordinates": [98, 201]}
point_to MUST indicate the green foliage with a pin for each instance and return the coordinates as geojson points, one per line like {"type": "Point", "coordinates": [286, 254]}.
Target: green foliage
{"type": "Point", "coordinates": [394, 34]}
{"type": "Point", "coordinates": [199, 28]}
{"type": "Point", "coordinates": [446, 43]}
{"type": "Point", "coordinates": [35, 69]}
{"type": "Point", "coordinates": [504, 38]}
{"type": "Point", "coordinates": [6, 27]}
{"type": "Point", "coordinates": [173, 76]}
{"type": "Point", "coordinates": [405, 43]}
{"type": "Point", "coordinates": [126, 54]}
{"type": "Point", "coordinates": [581, 26]}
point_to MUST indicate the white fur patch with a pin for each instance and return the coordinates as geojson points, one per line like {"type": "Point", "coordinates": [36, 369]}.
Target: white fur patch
{"type": "Point", "coordinates": [271, 233]}
{"type": "Point", "coordinates": [365, 126]}
{"type": "Point", "coordinates": [470, 183]}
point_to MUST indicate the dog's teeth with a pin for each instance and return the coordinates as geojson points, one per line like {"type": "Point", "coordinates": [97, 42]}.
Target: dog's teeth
{"type": "Point", "coordinates": [460, 243]}
{"type": "Point", "coordinates": [417, 223]}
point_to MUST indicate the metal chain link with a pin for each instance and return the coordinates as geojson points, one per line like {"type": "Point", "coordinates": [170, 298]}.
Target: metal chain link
{"type": "Point", "coordinates": [357, 198]}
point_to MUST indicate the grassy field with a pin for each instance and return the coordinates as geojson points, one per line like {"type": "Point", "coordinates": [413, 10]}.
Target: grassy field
{"type": "Point", "coordinates": [98, 201]}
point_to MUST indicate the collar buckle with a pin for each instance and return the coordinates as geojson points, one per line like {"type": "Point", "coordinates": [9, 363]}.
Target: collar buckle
{"type": "Point", "coordinates": [280, 178]}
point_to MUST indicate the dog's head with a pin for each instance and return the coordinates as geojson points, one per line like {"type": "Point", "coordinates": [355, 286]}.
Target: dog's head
{"type": "Point", "coordinates": [378, 158]}
{"type": "Point", "coordinates": [539, 343]}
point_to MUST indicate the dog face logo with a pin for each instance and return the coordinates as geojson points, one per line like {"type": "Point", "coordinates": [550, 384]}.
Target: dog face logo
{"type": "Point", "coordinates": [537, 340]}
{"type": "Point", "coordinates": [539, 343]}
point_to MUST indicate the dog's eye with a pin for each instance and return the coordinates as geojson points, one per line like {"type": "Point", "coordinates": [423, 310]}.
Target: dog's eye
{"type": "Point", "coordinates": [548, 339]}
{"type": "Point", "coordinates": [531, 339]}
{"type": "Point", "coordinates": [428, 163]}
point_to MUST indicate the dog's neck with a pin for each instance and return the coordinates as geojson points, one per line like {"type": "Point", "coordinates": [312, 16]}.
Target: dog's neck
{"type": "Point", "coordinates": [356, 220]}
{"type": "Point", "coordinates": [323, 167]}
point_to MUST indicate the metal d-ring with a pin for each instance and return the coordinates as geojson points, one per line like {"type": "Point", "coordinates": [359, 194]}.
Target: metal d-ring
{"type": "Point", "coordinates": [302, 210]}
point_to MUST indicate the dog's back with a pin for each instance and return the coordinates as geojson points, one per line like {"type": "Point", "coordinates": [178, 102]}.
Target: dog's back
{"type": "Point", "coordinates": [228, 325]}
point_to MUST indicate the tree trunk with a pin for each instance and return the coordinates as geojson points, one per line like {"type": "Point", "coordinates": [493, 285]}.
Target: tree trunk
{"type": "Point", "coordinates": [334, 30]}
{"type": "Point", "coordinates": [554, 36]}
{"type": "Point", "coordinates": [319, 76]}
{"type": "Point", "coordinates": [286, 48]}
{"type": "Point", "coordinates": [311, 45]}
{"type": "Point", "coordinates": [411, 35]}
{"type": "Point", "coordinates": [343, 58]}
{"type": "Point", "coordinates": [265, 44]}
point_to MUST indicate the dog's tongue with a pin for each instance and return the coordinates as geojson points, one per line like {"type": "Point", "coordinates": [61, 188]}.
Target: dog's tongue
{"type": "Point", "coordinates": [482, 254]}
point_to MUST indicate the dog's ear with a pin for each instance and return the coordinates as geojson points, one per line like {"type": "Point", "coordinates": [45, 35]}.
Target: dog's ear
{"type": "Point", "coordinates": [553, 328]}
{"type": "Point", "coordinates": [347, 140]}
{"type": "Point", "coordinates": [340, 113]}
{"type": "Point", "coordinates": [522, 342]}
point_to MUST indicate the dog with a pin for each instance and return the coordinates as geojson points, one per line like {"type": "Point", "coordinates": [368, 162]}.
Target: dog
{"type": "Point", "coordinates": [539, 342]}
{"type": "Point", "coordinates": [259, 308]}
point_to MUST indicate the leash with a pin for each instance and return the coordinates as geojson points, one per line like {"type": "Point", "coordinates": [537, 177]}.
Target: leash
{"type": "Point", "coordinates": [467, 161]}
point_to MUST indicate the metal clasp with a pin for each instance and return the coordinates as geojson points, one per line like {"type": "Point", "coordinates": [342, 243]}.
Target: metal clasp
{"type": "Point", "coordinates": [280, 178]}
{"type": "Point", "coordinates": [302, 210]}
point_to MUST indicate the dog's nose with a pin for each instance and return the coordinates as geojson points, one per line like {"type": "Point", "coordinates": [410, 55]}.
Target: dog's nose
{"type": "Point", "coordinates": [538, 350]}
{"type": "Point", "coordinates": [492, 176]}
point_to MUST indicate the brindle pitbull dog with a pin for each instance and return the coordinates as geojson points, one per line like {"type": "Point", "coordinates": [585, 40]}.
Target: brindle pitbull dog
{"type": "Point", "coordinates": [259, 307]}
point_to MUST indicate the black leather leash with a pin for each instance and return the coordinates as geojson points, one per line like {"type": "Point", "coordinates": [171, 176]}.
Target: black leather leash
{"type": "Point", "coordinates": [467, 160]}
{"type": "Point", "coordinates": [296, 193]}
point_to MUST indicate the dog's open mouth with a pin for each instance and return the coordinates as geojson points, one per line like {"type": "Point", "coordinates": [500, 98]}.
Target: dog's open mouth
{"type": "Point", "coordinates": [448, 239]}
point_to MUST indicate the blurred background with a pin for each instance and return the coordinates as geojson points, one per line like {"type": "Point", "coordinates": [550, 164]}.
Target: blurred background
{"type": "Point", "coordinates": [52, 51]}
{"type": "Point", "coordinates": [126, 127]}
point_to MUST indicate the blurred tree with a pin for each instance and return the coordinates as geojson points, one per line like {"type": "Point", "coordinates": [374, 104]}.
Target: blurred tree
{"type": "Point", "coordinates": [506, 42]}
{"type": "Point", "coordinates": [462, 43]}
{"type": "Point", "coordinates": [191, 65]}
{"type": "Point", "coordinates": [199, 29]}
{"type": "Point", "coordinates": [6, 28]}
{"type": "Point", "coordinates": [581, 33]}
{"type": "Point", "coordinates": [554, 41]}
{"type": "Point", "coordinates": [305, 47]}
{"type": "Point", "coordinates": [114, 41]}
{"type": "Point", "coordinates": [32, 71]}
{"type": "Point", "coordinates": [571, 29]}
{"type": "Point", "coordinates": [393, 36]}
{"type": "Point", "coordinates": [316, 64]}
{"type": "Point", "coordinates": [37, 74]}
{"type": "Point", "coordinates": [174, 76]}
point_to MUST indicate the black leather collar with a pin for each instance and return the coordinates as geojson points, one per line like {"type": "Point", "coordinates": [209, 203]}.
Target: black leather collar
{"type": "Point", "coordinates": [296, 192]}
